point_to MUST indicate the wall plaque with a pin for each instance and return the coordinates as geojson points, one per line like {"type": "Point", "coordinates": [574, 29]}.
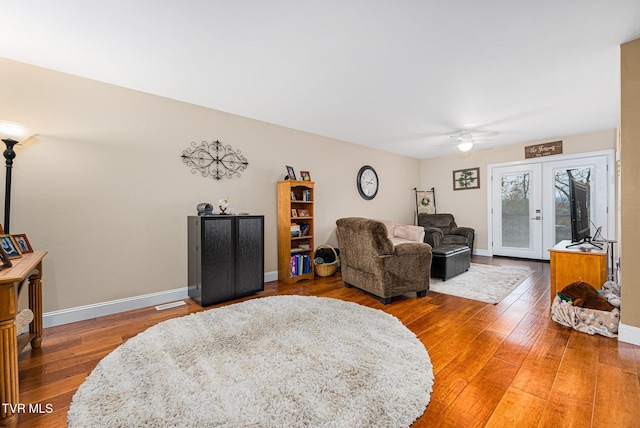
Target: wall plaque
{"type": "Point", "coordinates": [544, 149]}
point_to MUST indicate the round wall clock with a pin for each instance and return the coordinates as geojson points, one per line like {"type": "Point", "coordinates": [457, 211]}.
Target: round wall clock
{"type": "Point", "coordinates": [367, 182]}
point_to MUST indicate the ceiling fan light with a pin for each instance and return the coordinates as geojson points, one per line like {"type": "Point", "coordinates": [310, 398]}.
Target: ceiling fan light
{"type": "Point", "coordinates": [465, 146]}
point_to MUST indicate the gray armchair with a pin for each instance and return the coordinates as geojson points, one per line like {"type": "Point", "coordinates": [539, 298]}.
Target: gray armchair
{"type": "Point", "coordinates": [371, 262]}
{"type": "Point", "coordinates": [441, 229]}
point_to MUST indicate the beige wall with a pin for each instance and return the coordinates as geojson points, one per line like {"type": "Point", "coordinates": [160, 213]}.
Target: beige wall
{"type": "Point", "coordinates": [104, 190]}
{"type": "Point", "coordinates": [630, 182]}
{"type": "Point", "coordinates": [470, 206]}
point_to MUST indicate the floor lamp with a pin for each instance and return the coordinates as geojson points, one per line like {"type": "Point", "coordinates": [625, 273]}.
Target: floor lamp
{"type": "Point", "coordinates": [11, 134]}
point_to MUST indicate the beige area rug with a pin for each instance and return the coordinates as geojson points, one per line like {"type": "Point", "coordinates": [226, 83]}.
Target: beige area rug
{"type": "Point", "coordinates": [281, 361]}
{"type": "Point", "coordinates": [486, 283]}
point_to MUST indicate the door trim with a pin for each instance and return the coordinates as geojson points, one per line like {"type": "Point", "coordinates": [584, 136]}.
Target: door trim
{"type": "Point", "coordinates": [611, 188]}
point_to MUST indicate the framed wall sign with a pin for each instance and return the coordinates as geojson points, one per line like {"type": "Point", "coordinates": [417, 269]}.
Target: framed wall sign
{"type": "Point", "coordinates": [464, 179]}
{"type": "Point", "coordinates": [544, 149]}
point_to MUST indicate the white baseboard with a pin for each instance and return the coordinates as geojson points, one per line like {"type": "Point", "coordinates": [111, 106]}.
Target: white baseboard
{"type": "Point", "coordinates": [629, 334]}
{"type": "Point", "coordinates": [271, 276]}
{"type": "Point", "coordinates": [480, 252]}
{"type": "Point", "coordinates": [81, 313]}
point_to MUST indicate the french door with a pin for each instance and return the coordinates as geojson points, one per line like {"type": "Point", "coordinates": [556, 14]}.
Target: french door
{"type": "Point", "coordinates": [517, 211]}
{"type": "Point", "coordinates": [530, 203]}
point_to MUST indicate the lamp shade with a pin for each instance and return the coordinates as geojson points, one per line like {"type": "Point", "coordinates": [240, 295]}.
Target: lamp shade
{"type": "Point", "coordinates": [14, 131]}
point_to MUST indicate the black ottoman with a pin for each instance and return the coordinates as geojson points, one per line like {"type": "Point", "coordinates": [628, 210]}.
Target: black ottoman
{"type": "Point", "coordinates": [449, 261]}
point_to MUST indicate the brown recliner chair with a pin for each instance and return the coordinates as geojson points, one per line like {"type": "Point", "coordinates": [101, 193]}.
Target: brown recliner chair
{"type": "Point", "coordinates": [371, 262]}
{"type": "Point", "coordinates": [441, 229]}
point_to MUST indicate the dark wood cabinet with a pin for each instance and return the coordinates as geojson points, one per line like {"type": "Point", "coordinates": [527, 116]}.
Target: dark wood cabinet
{"type": "Point", "coordinates": [226, 257]}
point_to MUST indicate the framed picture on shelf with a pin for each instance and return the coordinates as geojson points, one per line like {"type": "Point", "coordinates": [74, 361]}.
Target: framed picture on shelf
{"type": "Point", "coordinates": [294, 212]}
{"type": "Point", "coordinates": [291, 173]}
{"type": "Point", "coordinates": [4, 258]}
{"type": "Point", "coordinates": [10, 247]}
{"type": "Point", "coordinates": [305, 175]}
{"type": "Point", "coordinates": [464, 179]}
{"type": "Point", "coordinates": [23, 243]}
{"type": "Point", "coordinates": [303, 213]}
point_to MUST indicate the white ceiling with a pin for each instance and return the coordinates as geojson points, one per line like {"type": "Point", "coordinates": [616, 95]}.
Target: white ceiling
{"type": "Point", "coordinates": [396, 75]}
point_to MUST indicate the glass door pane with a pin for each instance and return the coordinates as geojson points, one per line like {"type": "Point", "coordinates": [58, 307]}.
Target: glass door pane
{"type": "Point", "coordinates": [562, 206]}
{"type": "Point", "coordinates": [515, 210]}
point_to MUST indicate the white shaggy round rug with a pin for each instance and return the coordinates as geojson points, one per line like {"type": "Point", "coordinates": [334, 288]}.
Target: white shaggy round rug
{"type": "Point", "coordinates": [282, 361]}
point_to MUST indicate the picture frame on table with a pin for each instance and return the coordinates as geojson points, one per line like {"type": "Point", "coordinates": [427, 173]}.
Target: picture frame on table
{"type": "Point", "coordinates": [4, 259]}
{"type": "Point", "coordinates": [305, 175]}
{"type": "Point", "coordinates": [291, 173]}
{"type": "Point", "coordinates": [464, 179]}
{"type": "Point", "coordinates": [23, 243]}
{"type": "Point", "coordinates": [10, 247]}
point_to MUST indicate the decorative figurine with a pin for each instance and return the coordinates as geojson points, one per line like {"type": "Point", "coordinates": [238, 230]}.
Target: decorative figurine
{"type": "Point", "coordinates": [223, 204]}
{"type": "Point", "coordinates": [205, 209]}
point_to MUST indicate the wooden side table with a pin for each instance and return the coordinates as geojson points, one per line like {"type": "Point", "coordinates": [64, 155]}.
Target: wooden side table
{"type": "Point", "coordinates": [568, 265]}
{"type": "Point", "coordinates": [27, 268]}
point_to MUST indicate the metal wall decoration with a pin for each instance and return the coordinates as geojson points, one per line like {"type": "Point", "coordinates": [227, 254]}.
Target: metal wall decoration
{"type": "Point", "coordinates": [214, 159]}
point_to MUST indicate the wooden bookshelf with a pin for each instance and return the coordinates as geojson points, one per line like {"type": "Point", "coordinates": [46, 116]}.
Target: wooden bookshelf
{"type": "Point", "coordinates": [295, 253]}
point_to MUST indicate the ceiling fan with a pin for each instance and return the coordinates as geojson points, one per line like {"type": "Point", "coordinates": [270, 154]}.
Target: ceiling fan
{"type": "Point", "coordinates": [466, 138]}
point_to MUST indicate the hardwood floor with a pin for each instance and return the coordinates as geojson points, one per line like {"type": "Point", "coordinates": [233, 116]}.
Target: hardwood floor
{"type": "Point", "coordinates": [497, 365]}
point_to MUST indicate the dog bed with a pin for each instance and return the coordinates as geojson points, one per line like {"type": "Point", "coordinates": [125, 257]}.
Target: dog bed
{"type": "Point", "coordinates": [591, 321]}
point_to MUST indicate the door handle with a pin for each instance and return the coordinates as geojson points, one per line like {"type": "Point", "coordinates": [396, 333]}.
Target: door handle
{"type": "Point", "coordinates": [535, 218]}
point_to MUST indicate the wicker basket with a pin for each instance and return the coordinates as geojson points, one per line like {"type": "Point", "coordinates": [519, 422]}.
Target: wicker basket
{"type": "Point", "coordinates": [325, 269]}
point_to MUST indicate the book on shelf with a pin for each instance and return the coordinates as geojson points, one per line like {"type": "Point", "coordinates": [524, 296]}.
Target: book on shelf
{"type": "Point", "coordinates": [300, 264]}
{"type": "Point", "coordinates": [304, 229]}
